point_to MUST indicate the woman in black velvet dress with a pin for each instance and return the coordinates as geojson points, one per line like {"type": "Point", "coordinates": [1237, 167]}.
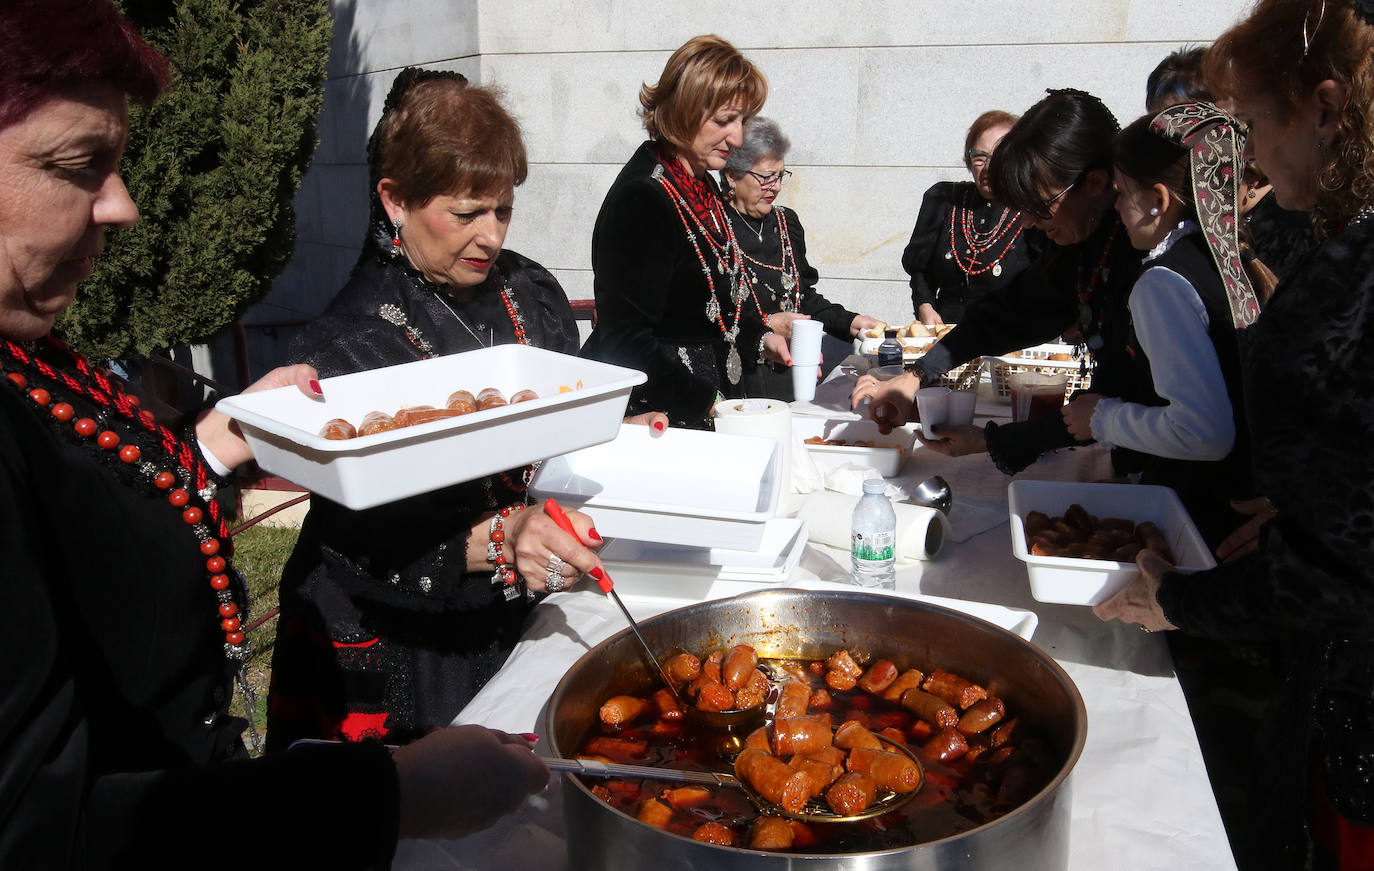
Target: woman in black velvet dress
{"type": "Point", "coordinates": [395, 616]}
{"type": "Point", "coordinates": [122, 619]}
{"type": "Point", "coordinates": [965, 245]}
{"type": "Point", "coordinates": [670, 283]}
{"type": "Point", "coordinates": [782, 284]}
{"type": "Point", "coordinates": [1300, 73]}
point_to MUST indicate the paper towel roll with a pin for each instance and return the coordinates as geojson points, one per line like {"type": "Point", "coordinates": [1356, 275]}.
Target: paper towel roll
{"type": "Point", "coordinates": [921, 532]}
{"type": "Point", "coordinates": [764, 418]}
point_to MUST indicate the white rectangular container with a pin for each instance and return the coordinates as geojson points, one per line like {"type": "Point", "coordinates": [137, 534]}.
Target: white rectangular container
{"type": "Point", "coordinates": [703, 489]}
{"type": "Point", "coordinates": [1070, 581]}
{"type": "Point", "coordinates": [282, 426]}
{"type": "Point", "coordinates": [887, 457]}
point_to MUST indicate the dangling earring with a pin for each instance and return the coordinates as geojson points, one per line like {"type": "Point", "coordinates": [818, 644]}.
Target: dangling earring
{"type": "Point", "coordinates": [1154, 211]}
{"type": "Point", "coordinates": [396, 239]}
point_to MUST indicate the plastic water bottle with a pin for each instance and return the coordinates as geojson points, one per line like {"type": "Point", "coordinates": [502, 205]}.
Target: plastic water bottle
{"type": "Point", "coordinates": [890, 351]}
{"type": "Point", "coordinates": [873, 538]}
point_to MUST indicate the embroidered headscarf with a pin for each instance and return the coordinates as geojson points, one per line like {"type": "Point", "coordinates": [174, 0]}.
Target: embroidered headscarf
{"type": "Point", "coordinates": [1215, 143]}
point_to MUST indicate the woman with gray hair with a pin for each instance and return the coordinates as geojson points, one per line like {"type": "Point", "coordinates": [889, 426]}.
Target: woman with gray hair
{"type": "Point", "coordinates": [782, 285]}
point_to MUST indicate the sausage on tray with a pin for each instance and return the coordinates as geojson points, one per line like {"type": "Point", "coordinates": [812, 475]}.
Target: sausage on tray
{"type": "Point", "coordinates": [713, 696]}
{"type": "Point", "coordinates": [841, 661]}
{"type": "Point", "coordinates": [338, 429]}
{"type": "Point", "coordinates": [462, 402]}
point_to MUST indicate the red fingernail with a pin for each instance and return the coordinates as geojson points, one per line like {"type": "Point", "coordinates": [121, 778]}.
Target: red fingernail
{"type": "Point", "coordinates": [597, 573]}
{"type": "Point", "coordinates": [315, 386]}
{"type": "Point", "coordinates": [593, 534]}
{"type": "Point", "coordinates": [660, 425]}
{"type": "Point", "coordinates": [530, 737]}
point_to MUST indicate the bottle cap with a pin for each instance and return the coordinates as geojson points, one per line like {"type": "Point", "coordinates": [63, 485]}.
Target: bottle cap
{"type": "Point", "coordinates": [890, 334]}
{"type": "Point", "coordinates": [875, 486]}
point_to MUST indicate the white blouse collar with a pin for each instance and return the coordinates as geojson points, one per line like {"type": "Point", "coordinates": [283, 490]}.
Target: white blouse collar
{"type": "Point", "coordinates": [1185, 228]}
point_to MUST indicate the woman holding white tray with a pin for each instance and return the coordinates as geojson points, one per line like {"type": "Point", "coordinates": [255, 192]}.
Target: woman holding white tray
{"type": "Point", "coordinates": [393, 617]}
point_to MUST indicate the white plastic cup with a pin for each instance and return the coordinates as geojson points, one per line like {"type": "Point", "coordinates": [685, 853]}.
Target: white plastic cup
{"type": "Point", "coordinates": [805, 346]}
{"type": "Point", "coordinates": [932, 404]}
{"type": "Point", "coordinates": [961, 405]}
{"type": "Point", "coordinates": [803, 381]}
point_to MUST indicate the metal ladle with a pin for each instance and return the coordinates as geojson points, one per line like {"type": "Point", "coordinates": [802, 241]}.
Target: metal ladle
{"type": "Point", "coordinates": [934, 492]}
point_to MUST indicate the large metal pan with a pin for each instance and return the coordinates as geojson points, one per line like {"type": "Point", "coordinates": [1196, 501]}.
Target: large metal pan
{"type": "Point", "coordinates": [805, 624]}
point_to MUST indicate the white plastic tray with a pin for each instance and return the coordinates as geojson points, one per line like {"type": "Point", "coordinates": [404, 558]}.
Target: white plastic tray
{"type": "Point", "coordinates": [886, 458]}
{"type": "Point", "coordinates": [282, 426]}
{"type": "Point", "coordinates": [703, 489]}
{"type": "Point", "coordinates": [1070, 581]}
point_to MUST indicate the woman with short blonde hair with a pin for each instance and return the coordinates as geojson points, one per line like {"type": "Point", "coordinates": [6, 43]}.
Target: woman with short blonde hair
{"type": "Point", "coordinates": [670, 277]}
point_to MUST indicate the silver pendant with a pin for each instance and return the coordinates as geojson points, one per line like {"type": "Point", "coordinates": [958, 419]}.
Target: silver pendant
{"type": "Point", "coordinates": [788, 282]}
{"type": "Point", "coordinates": [733, 367]}
{"type": "Point", "coordinates": [950, 254]}
{"type": "Point", "coordinates": [997, 269]}
{"type": "Point", "coordinates": [712, 308]}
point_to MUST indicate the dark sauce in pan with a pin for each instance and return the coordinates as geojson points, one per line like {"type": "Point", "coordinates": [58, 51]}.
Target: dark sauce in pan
{"type": "Point", "coordinates": [956, 796]}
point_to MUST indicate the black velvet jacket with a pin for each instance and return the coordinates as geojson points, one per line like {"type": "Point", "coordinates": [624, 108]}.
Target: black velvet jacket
{"type": "Point", "coordinates": [935, 277]}
{"type": "Point", "coordinates": [1309, 392]}
{"type": "Point", "coordinates": [651, 297]}
{"type": "Point", "coordinates": [115, 747]}
{"type": "Point", "coordinates": [761, 241]}
{"type": "Point", "coordinates": [384, 632]}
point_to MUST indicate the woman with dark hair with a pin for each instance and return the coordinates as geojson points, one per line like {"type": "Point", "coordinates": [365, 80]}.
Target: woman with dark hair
{"type": "Point", "coordinates": [1055, 167]}
{"type": "Point", "coordinates": [1176, 79]}
{"type": "Point", "coordinates": [670, 277]}
{"type": "Point", "coordinates": [1300, 73]}
{"type": "Point", "coordinates": [121, 615]}
{"type": "Point", "coordinates": [782, 284]}
{"type": "Point", "coordinates": [395, 616]}
{"type": "Point", "coordinates": [965, 245]}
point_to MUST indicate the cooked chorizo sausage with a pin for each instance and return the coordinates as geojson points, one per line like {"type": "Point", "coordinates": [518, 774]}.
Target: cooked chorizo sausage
{"type": "Point", "coordinates": [619, 710]}
{"type": "Point", "coordinates": [953, 688]}
{"type": "Point", "coordinates": [907, 680]}
{"type": "Point", "coordinates": [338, 429]}
{"type": "Point", "coordinates": [618, 749]}
{"type": "Point", "coordinates": [838, 680]}
{"type": "Point", "coordinates": [713, 696]}
{"type": "Point", "coordinates": [753, 693]}
{"type": "Point", "coordinates": [841, 661]}
{"type": "Point", "coordinates": [894, 771]}
{"type": "Point", "coordinates": [417, 414]}
{"type": "Point", "coordinates": [462, 402]}
{"type": "Point", "coordinates": [523, 396]}
{"type": "Point", "coordinates": [947, 745]}
{"type": "Point", "coordinates": [667, 704]}
{"type": "Point", "coordinates": [738, 666]}
{"type": "Point", "coordinates": [375, 422]}
{"type": "Point", "coordinates": [804, 735]}
{"type": "Point", "coordinates": [773, 779]}
{"type": "Point", "coordinates": [852, 793]}
{"type": "Point", "coordinates": [683, 668]}
{"type": "Point", "coordinates": [930, 708]}
{"type": "Point", "coordinates": [820, 701]}
{"type": "Point", "coordinates": [1078, 517]}
{"type": "Point", "coordinates": [793, 699]}
{"type": "Point", "coordinates": [710, 666]}
{"type": "Point", "coordinates": [982, 715]}
{"type": "Point", "coordinates": [1036, 522]}
{"type": "Point", "coordinates": [853, 734]}
{"type": "Point", "coordinates": [685, 796]}
{"type": "Point", "coordinates": [879, 676]}
{"type": "Point", "coordinates": [819, 773]}
{"type": "Point", "coordinates": [1005, 733]}
{"type": "Point", "coordinates": [758, 739]}
{"type": "Point", "coordinates": [655, 813]}
{"type": "Point", "coordinates": [714, 833]}
{"type": "Point", "coordinates": [770, 833]}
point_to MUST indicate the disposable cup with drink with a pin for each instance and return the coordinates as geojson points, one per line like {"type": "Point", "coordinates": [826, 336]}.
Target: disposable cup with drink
{"type": "Point", "coordinates": [1036, 393]}
{"type": "Point", "coordinates": [932, 405]}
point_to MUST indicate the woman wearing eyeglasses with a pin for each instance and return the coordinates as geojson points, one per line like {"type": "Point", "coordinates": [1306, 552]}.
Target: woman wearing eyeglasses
{"type": "Point", "coordinates": [966, 245]}
{"type": "Point", "coordinates": [782, 284]}
{"type": "Point", "coordinates": [670, 283]}
{"type": "Point", "coordinates": [1055, 167]}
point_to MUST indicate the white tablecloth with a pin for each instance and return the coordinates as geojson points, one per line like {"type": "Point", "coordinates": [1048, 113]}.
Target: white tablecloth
{"type": "Point", "coordinates": [1141, 798]}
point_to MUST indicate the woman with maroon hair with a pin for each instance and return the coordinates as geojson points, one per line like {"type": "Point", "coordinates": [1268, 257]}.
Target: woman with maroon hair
{"type": "Point", "coordinates": [120, 611]}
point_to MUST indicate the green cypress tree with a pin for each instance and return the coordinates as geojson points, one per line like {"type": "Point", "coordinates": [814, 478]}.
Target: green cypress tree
{"type": "Point", "coordinates": [213, 167]}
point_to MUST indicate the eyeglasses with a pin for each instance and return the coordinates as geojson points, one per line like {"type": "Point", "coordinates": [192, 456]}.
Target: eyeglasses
{"type": "Point", "coordinates": [978, 158]}
{"type": "Point", "coordinates": [1046, 210]}
{"type": "Point", "coordinates": [772, 179]}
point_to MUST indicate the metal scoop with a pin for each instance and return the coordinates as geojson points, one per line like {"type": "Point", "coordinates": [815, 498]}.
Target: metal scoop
{"type": "Point", "coordinates": [934, 492]}
{"type": "Point", "coordinates": [814, 811]}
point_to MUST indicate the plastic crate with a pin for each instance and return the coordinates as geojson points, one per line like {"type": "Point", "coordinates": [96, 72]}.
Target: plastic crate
{"type": "Point", "coordinates": [1036, 359]}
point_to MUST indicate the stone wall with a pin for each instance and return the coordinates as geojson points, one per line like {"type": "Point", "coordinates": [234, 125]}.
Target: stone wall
{"type": "Point", "coordinates": [875, 96]}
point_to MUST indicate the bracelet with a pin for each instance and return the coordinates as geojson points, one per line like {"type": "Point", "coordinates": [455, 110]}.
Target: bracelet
{"type": "Point", "coordinates": [496, 538]}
